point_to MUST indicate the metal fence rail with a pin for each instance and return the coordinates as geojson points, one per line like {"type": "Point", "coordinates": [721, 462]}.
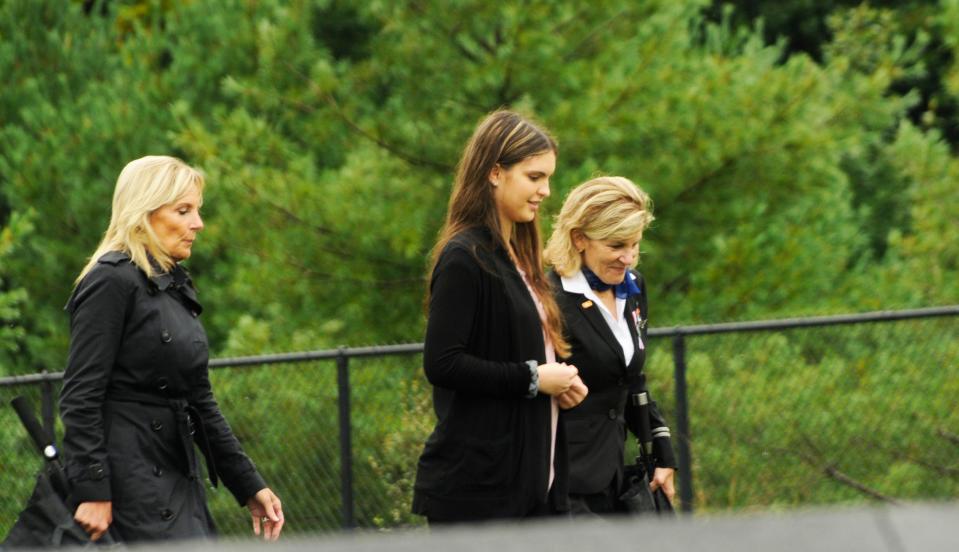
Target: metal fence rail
{"type": "Point", "coordinates": [389, 392]}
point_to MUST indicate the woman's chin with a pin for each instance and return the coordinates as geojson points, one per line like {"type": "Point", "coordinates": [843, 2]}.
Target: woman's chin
{"type": "Point", "coordinates": [614, 278]}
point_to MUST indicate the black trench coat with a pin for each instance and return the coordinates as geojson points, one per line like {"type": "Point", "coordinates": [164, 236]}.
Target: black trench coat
{"type": "Point", "coordinates": [135, 397]}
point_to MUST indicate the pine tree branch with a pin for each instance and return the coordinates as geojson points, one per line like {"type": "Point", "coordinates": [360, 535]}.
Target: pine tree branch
{"type": "Point", "coordinates": [841, 477]}
{"type": "Point", "coordinates": [893, 452]}
{"type": "Point", "coordinates": [346, 253]}
{"type": "Point", "coordinates": [572, 52]}
{"type": "Point", "coordinates": [812, 456]}
{"type": "Point", "coordinates": [409, 158]}
{"type": "Point", "coordinates": [334, 105]}
{"type": "Point", "coordinates": [948, 435]}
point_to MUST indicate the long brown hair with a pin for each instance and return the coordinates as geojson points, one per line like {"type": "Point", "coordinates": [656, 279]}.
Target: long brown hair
{"type": "Point", "coordinates": [503, 138]}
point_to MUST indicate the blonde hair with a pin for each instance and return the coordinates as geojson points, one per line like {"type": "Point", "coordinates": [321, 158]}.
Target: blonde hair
{"type": "Point", "coordinates": [144, 185]}
{"type": "Point", "coordinates": [604, 208]}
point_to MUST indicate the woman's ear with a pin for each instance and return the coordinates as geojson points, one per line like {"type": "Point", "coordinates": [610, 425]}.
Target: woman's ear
{"type": "Point", "coordinates": [579, 240]}
{"type": "Point", "coordinates": [495, 175]}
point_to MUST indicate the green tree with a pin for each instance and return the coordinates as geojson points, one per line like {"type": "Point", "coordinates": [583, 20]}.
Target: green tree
{"type": "Point", "coordinates": [787, 181]}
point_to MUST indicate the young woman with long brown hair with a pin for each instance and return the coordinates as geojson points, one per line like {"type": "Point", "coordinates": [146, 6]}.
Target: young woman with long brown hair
{"type": "Point", "coordinates": [493, 332]}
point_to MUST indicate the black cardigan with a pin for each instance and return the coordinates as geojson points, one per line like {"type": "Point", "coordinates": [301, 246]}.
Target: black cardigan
{"type": "Point", "coordinates": [488, 456]}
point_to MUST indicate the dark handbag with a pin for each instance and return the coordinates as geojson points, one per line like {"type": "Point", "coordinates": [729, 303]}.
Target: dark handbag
{"type": "Point", "coordinates": [635, 496]}
{"type": "Point", "coordinates": [47, 520]}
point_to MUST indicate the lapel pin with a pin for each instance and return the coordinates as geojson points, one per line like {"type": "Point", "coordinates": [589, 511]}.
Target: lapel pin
{"type": "Point", "coordinates": [587, 304]}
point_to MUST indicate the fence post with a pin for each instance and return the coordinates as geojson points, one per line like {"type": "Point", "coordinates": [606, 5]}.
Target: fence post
{"type": "Point", "coordinates": [346, 441]}
{"type": "Point", "coordinates": [682, 424]}
{"type": "Point", "coordinates": [46, 407]}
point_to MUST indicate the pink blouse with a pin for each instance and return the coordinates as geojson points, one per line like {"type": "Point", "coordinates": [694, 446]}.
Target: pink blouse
{"type": "Point", "coordinates": [550, 357]}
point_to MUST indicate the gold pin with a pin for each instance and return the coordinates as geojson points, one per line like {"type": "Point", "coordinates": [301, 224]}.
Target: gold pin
{"type": "Point", "coordinates": [587, 304]}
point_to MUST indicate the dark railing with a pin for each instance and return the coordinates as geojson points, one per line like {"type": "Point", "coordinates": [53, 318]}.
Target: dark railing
{"type": "Point", "coordinates": [342, 356]}
{"type": "Point", "coordinates": [679, 334]}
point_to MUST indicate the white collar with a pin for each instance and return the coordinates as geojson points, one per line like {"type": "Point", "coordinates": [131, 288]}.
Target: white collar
{"type": "Point", "coordinates": [576, 283]}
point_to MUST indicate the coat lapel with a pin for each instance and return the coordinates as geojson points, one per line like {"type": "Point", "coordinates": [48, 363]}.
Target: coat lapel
{"type": "Point", "coordinates": [590, 310]}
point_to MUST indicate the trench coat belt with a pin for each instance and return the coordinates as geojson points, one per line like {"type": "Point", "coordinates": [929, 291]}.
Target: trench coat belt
{"type": "Point", "coordinates": [188, 418]}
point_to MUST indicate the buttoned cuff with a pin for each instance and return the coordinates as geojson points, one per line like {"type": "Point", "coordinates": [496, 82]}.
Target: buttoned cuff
{"type": "Point", "coordinates": [91, 485]}
{"type": "Point", "coordinates": [246, 487]}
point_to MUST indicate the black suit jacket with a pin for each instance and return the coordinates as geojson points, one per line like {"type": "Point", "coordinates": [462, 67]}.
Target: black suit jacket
{"type": "Point", "coordinates": [596, 428]}
{"type": "Point", "coordinates": [488, 456]}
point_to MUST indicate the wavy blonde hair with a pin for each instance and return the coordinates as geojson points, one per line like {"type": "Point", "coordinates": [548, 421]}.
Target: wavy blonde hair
{"type": "Point", "coordinates": [144, 185]}
{"type": "Point", "coordinates": [604, 208]}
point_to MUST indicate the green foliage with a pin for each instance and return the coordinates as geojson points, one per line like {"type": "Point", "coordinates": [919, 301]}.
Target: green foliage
{"type": "Point", "coordinates": [785, 184]}
{"type": "Point", "coordinates": [788, 418]}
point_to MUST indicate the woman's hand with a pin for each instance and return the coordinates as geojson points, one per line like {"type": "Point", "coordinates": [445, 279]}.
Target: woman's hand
{"type": "Point", "coordinates": [266, 511]}
{"type": "Point", "coordinates": [94, 517]}
{"type": "Point", "coordinates": [574, 395]}
{"type": "Point", "coordinates": [555, 378]}
{"type": "Point", "coordinates": [663, 477]}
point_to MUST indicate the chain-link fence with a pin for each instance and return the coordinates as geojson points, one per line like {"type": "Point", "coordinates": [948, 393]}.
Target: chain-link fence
{"type": "Point", "coordinates": [811, 411]}
{"type": "Point", "coordinates": [817, 411]}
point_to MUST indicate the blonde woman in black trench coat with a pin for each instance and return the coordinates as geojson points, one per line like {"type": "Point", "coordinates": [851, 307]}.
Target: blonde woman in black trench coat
{"type": "Point", "coordinates": [593, 248]}
{"type": "Point", "coordinates": [136, 394]}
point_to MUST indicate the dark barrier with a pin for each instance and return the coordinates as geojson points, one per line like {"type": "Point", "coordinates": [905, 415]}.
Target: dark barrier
{"type": "Point", "coordinates": [803, 411]}
{"type": "Point", "coordinates": [916, 528]}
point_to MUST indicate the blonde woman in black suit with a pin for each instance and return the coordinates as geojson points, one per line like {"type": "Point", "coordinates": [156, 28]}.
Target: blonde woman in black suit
{"type": "Point", "coordinates": [593, 249]}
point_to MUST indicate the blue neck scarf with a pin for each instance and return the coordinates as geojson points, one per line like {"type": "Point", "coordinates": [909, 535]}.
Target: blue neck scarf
{"type": "Point", "coordinates": [623, 290]}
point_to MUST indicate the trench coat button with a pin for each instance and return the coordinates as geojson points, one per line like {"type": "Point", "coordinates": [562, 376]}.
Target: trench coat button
{"type": "Point", "coordinates": [157, 471]}
{"type": "Point", "coordinates": [166, 514]}
{"type": "Point", "coordinates": [620, 382]}
{"type": "Point", "coordinates": [611, 413]}
{"type": "Point", "coordinates": [95, 472]}
{"type": "Point", "coordinates": [165, 336]}
{"type": "Point", "coordinates": [156, 425]}
{"type": "Point", "coordinates": [162, 384]}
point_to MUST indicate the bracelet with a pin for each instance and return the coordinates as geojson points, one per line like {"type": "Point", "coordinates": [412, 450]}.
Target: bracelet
{"type": "Point", "coordinates": [533, 379]}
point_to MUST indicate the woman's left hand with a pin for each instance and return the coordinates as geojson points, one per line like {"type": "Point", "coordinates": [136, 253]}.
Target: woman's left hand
{"type": "Point", "coordinates": [574, 395]}
{"type": "Point", "coordinates": [266, 511]}
{"type": "Point", "coordinates": [663, 477]}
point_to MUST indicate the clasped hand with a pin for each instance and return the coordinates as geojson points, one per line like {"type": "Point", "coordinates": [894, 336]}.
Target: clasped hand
{"type": "Point", "coordinates": [562, 381]}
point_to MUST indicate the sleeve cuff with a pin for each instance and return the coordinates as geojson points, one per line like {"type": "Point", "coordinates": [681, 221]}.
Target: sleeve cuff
{"type": "Point", "coordinates": [89, 490]}
{"type": "Point", "coordinates": [533, 388]}
{"type": "Point", "coordinates": [663, 451]}
{"type": "Point", "coordinates": [246, 486]}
